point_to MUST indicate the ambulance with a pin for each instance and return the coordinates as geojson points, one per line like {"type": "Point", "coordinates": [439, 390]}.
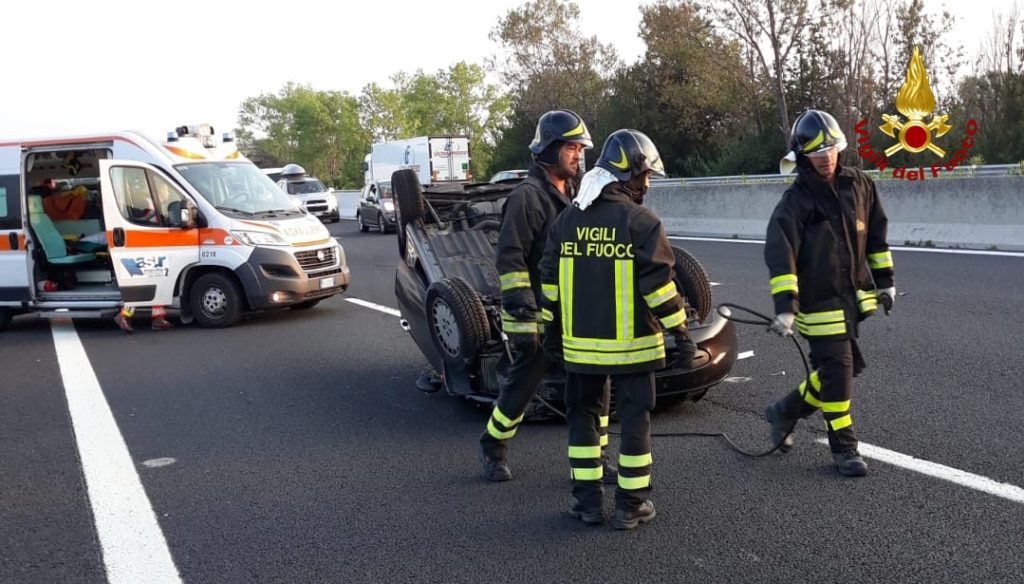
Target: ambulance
{"type": "Point", "coordinates": [89, 224]}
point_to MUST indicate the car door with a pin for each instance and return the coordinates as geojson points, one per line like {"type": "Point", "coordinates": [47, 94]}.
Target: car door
{"type": "Point", "coordinates": [141, 208]}
{"type": "Point", "coordinates": [14, 270]}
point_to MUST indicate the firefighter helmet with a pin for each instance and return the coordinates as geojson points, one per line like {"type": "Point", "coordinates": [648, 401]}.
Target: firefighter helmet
{"type": "Point", "coordinates": [560, 126]}
{"type": "Point", "coordinates": [813, 131]}
{"type": "Point", "coordinates": [627, 153]}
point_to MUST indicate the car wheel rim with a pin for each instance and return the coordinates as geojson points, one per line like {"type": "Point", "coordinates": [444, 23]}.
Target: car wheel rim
{"type": "Point", "coordinates": [214, 302]}
{"type": "Point", "coordinates": [445, 328]}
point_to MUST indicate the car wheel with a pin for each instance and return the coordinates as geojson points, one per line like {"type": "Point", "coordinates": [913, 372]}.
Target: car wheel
{"type": "Point", "coordinates": [216, 301]}
{"type": "Point", "coordinates": [693, 282]}
{"type": "Point", "coordinates": [5, 318]}
{"type": "Point", "coordinates": [409, 194]}
{"type": "Point", "coordinates": [305, 305]}
{"type": "Point", "coordinates": [362, 225]}
{"type": "Point", "coordinates": [456, 320]}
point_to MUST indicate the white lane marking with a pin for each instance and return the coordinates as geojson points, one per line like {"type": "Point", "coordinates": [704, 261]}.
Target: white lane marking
{"type": "Point", "coordinates": [981, 252]}
{"type": "Point", "coordinates": [134, 548]}
{"type": "Point", "coordinates": [744, 355]}
{"type": "Point", "coordinates": [158, 462]}
{"type": "Point", "coordinates": [732, 379]}
{"type": "Point", "coordinates": [377, 307]}
{"type": "Point", "coordinates": [714, 283]}
{"type": "Point", "coordinates": [939, 471]}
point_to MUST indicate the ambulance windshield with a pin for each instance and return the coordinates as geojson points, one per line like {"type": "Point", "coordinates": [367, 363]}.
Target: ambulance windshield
{"type": "Point", "coordinates": [237, 188]}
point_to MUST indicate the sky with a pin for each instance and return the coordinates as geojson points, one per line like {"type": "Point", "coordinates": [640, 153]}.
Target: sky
{"type": "Point", "coordinates": [78, 67]}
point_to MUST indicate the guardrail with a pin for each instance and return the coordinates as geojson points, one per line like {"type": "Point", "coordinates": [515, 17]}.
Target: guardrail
{"type": "Point", "coordinates": [748, 179]}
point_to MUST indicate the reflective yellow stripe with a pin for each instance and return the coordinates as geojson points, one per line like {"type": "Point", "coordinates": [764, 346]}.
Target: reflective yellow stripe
{"type": "Point", "coordinates": [807, 395]}
{"type": "Point", "coordinates": [817, 324]}
{"type": "Point", "coordinates": [673, 320]}
{"type": "Point", "coordinates": [505, 420]}
{"type": "Point", "coordinates": [565, 275]}
{"type": "Point", "coordinates": [835, 407]}
{"type": "Point", "coordinates": [634, 483]}
{"type": "Point", "coordinates": [584, 452]}
{"type": "Point", "coordinates": [624, 299]}
{"type": "Point", "coordinates": [867, 301]}
{"type": "Point", "coordinates": [880, 260]}
{"type": "Point", "coordinates": [513, 280]}
{"type": "Point", "coordinates": [635, 460]}
{"type": "Point", "coordinates": [628, 358]}
{"type": "Point", "coordinates": [815, 142]}
{"type": "Point", "coordinates": [784, 283]}
{"type": "Point", "coordinates": [546, 315]}
{"type": "Point", "coordinates": [603, 421]}
{"type": "Point", "coordinates": [661, 295]}
{"type": "Point", "coordinates": [494, 431]}
{"type": "Point", "coordinates": [589, 344]}
{"type": "Point", "coordinates": [550, 291]}
{"type": "Point", "coordinates": [822, 330]}
{"type": "Point", "coordinates": [603, 440]}
{"type": "Point", "coordinates": [518, 326]}
{"type": "Point", "coordinates": [587, 474]}
{"type": "Point", "coordinates": [839, 423]}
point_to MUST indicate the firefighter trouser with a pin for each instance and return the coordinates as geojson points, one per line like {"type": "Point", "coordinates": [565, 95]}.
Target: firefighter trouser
{"type": "Point", "coordinates": [524, 376]}
{"type": "Point", "coordinates": [829, 389]}
{"type": "Point", "coordinates": [586, 400]}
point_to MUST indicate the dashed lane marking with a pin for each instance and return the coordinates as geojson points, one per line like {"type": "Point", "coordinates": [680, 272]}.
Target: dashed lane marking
{"type": "Point", "coordinates": [373, 306]}
{"type": "Point", "coordinates": [744, 355]}
{"type": "Point", "coordinates": [134, 548]}
{"type": "Point", "coordinates": [939, 471]}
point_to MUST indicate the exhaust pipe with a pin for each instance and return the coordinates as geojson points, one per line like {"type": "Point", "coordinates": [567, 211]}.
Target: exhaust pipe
{"type": "Point", "coordinates": [404, 324]}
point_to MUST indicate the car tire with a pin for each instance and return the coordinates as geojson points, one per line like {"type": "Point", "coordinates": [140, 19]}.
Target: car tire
{"type": "Point", "coordinates": [456, 320]}
{"type": "Point", "coordinates": [410, 196]}
{"type": "Point", "coordinates": [362, 224]}
{"type": "Point", "coordinates": [693, 282]}
{"type": "Point", "coordinates": [5, 318]}
{"type": "Point", "coordinates": [215, 300]}
{"type": "Point", "coordinates": [305, 305]}
{"type": "Point", "coordinates": [381, 225]}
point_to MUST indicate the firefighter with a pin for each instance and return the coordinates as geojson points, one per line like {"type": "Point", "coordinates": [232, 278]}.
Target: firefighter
{"type": "Point", "coordinates": [609, 290]}
{"type": "Point", "coordinates": [829, 266]}
{"type": "Point", "coordinates": [557, 149]}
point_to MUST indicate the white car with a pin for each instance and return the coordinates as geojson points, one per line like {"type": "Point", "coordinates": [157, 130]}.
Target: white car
{"type": "Point", "coordinates": [313, 196]}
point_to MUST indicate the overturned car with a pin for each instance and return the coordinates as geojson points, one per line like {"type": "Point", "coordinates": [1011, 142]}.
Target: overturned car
{"type": "Point", "coordinates": [449, 297]}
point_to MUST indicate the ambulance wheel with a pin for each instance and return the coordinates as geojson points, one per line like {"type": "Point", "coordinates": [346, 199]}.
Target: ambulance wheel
{"type": "Point", "coordinates": [216, 301]}
{"type": "Point", "coordinates": [5, 318]}
{"type": "Point", "coordinates": [456, 320]}
{"type": "Point", "coordinates": [693, 282]}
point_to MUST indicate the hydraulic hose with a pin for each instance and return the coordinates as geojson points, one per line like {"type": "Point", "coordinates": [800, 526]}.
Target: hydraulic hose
{"type": "Point", "coordinates": [761, 320]}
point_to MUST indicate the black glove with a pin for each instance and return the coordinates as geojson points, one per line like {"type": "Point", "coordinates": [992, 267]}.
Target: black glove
{"type": "Point", "coordinates": [687, 350]}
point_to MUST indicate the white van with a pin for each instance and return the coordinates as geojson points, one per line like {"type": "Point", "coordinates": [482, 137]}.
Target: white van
{"type": "Point", "coordinates": [189, 223]}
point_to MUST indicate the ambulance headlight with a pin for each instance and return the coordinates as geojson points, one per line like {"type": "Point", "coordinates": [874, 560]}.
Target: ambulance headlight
{"type": "Point", "coordinates": [255, 238]}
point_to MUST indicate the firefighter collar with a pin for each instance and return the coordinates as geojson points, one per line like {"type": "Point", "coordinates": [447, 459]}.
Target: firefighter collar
{"type": "Point", "coordinates": [591, 186]}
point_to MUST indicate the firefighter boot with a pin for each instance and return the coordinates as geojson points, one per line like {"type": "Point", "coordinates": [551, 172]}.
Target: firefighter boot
{"type": "Point", "coordinates": [124, 323]}
{"type": "Point", "coordinates": [849, 463]}
{"type": "Point", "coordinates": [590, 516]}
{"type": "Point", "coordinates": [781, 429]}
{"type": "Point", "coordinates": [631, 518]}
{"type": "Point", "coordinates": [494, 470]}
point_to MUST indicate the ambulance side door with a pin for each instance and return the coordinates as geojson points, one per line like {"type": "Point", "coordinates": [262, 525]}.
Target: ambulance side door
{"type": "Point", "coordinates": [149, 248]}
{"type": "Point", "coordinates": [14, 270]}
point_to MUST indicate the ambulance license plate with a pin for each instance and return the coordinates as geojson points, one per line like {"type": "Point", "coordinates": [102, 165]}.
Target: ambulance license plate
{"type": "Point", "coordinates": [327, 282]}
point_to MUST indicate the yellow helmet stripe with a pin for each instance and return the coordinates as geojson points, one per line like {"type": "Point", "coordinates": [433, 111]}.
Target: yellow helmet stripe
{"type": "Point", "coordinates": [815, 142]}
{"type": "Point", "coordinates": [622, 163]}
{"type": "Point", "coordinates": [577, 131]}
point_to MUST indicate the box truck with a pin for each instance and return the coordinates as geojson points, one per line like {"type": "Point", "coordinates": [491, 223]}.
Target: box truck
{"type": "Point", "coordinates": [433, 158]}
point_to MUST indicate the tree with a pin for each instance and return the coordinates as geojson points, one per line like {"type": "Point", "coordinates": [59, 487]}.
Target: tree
{"type": "Point", "coordinates": [317, 129]}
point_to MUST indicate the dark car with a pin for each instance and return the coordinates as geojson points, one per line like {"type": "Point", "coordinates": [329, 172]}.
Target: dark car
{"type": "Point", "coordinates": [376, 208]}
{"type": "Point", "coordinates": [449, 296]}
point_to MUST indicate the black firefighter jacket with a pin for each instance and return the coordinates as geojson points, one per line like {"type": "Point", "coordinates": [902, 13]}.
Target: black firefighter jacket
{"type": "Point", "coordinates": [529, 211]}
{"type": "Point", "coordinates": [824, 246]}
{"type": "Point", "coordinates": [607, 277]}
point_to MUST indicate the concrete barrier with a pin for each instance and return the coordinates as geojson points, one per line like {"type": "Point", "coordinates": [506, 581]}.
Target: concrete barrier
{"type": "Point", "coordinates": [979, 212]}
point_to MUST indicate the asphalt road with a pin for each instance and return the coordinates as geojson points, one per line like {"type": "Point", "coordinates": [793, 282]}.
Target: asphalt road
{"type": "Point", "coordinates": [303, 453]}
